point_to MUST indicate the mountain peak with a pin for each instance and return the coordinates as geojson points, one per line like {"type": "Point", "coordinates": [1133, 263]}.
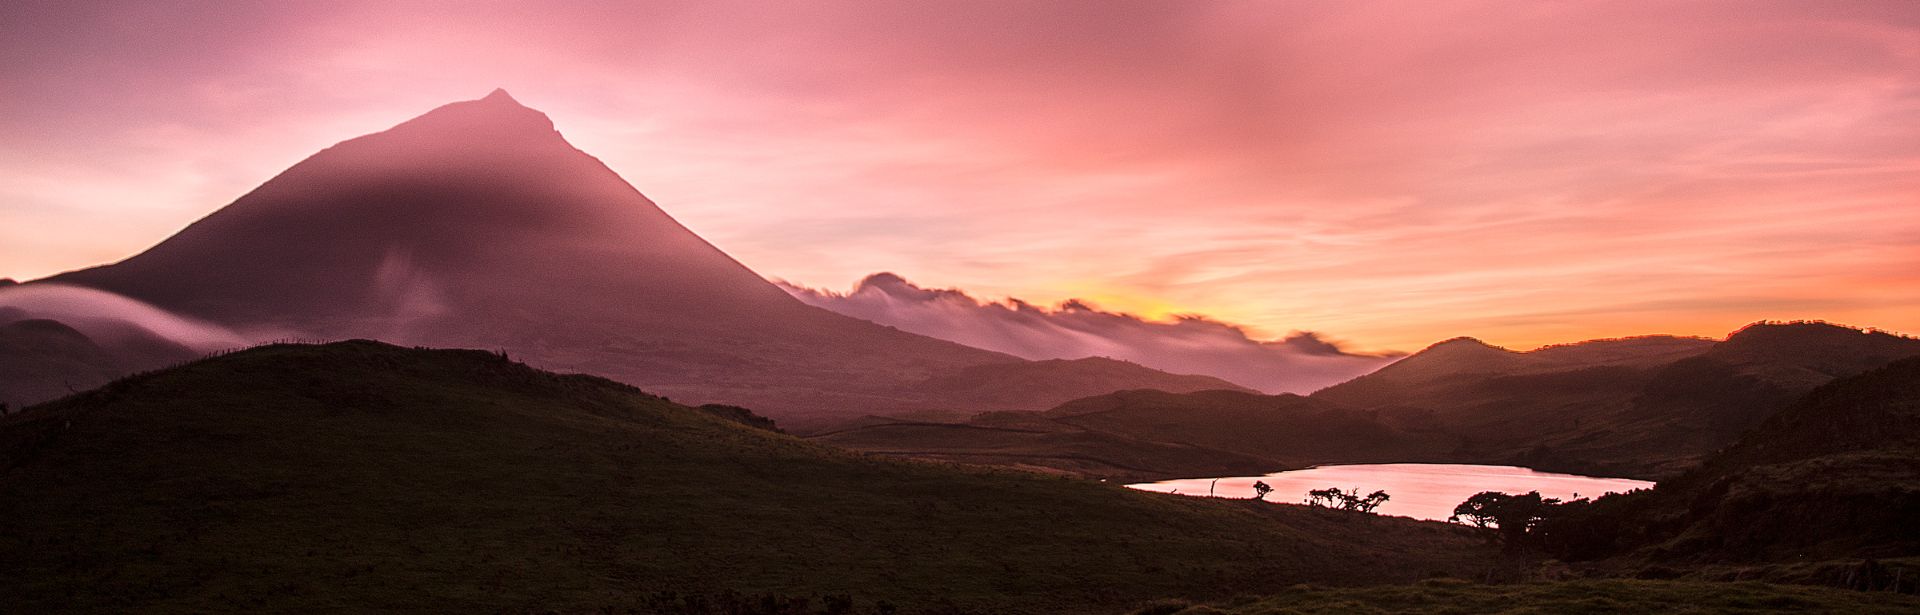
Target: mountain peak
{"type": "Point", "coordinates": [1809, 336]}
{"type": "Point", "coordinates": [1774, 328]}
{"type": "Point", "coordinates": [1463, 343]}
{"type": "Point", "coordinates": [493, 115]}
{"type": "Point", "coordinates": [499, 96]}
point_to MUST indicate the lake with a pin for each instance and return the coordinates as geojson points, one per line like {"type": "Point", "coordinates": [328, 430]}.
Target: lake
{"type": "Point", "coordinates": [1418, 490]}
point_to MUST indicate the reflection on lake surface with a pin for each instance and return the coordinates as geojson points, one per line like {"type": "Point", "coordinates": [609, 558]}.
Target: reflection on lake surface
{"type": "Point", "coordinates": [1419, 490]}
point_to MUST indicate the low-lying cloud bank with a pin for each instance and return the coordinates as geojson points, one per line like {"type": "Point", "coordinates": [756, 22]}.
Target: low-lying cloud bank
{"type": "Point", "coordinates": [1299, 363]}
{"type": "Point", "coordinates": [109, 318]}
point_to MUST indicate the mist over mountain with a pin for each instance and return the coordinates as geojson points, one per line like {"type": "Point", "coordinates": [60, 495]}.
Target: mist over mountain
{"type": "Point", "coordinates": [102, 314]}
{"type": "Point", "coordinates": [1300, 363]}
{"type": "Point", "coordinates": [478, 225]}
{"type": "Point", "coordinates": [57, 339]}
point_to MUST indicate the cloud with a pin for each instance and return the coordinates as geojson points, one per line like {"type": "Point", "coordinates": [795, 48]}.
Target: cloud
{"type": "Point", "coordinates": [109, 318]}
{"type": "Point", "coordinates": [1300, 363]}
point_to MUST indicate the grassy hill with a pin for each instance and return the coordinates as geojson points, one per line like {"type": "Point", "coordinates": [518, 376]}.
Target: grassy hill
{"type": "Point", "coordinates": [1296, 430]}
{"type": "Point", "coordinates": [1646, 407]}
{"type": "Point", "coordinates": [361, 476]}
{"type": "Point", "coordinates": [1143, 435]}
{"type": "Point", "coordinates": [1030, 440]}
{"type": "Point", "coordinates": [1641, 407]}
{"type": "Point", "coordinates": [1835, 475]}
{"type": "Point", "coordinates": [43, 359]}
{"type": "Point", "coordinates": [1009, 386]}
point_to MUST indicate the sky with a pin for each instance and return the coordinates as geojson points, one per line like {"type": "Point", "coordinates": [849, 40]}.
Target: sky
{"type": "Point", "coordinates": [1387, 174]}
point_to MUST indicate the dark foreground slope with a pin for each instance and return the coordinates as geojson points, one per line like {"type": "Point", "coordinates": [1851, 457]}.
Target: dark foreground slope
{"type": "Point", "coordinates": [1610, 596]}
{"type": "Point", "coordinates": [1835, 475]}
{"type": "Point", "coordinates": [361, 476]}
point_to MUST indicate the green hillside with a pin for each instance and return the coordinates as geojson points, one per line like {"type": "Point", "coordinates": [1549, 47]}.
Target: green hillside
{"type": "Point", "coordinates": [360, 476]}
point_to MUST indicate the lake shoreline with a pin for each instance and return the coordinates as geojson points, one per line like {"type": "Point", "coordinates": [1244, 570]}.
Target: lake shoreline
{"type": "Point", "coordinates": [1418, 490]}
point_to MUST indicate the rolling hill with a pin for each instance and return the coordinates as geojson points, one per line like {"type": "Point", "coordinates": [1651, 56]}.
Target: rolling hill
{"type": "Point", "coordinates": [361, 476]}
{"type": "Point", "coordinates": [1648, 407]}
{"type": "Point", "coordinates": [478, 225]}
{"type": "Point", "coordinates": [1639, 407]}
{"type": "Point", "coordinates": [1030, 441]}
{"type": "Point", "coordinates": [43, 358]}
{"type": "Point", "coordinates": [1145, 435]}
{"type": "Point", "coordinates": [1834, 475]}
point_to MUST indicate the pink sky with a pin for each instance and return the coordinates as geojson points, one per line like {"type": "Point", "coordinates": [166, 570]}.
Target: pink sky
{"type": "Point", "coordinates": [1390, 174]}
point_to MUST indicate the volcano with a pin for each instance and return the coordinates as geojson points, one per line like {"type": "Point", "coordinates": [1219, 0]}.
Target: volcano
{"type": "Point", "coordinates": [478, 225]}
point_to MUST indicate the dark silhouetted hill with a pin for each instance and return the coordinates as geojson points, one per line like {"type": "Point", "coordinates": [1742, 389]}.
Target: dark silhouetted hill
{"type": "Point", "coordinates": [359, 476]}
{"type": "Point", "coordinates": [1835, 475]}
{"type": "Point", "coordinates": [42, 358]}
{"type": "Point", "coordinates": [1643, 407]}
{"type": "Point", "coordinates": [1297, 431]}
{"type": "Point", "coordinates": [1003, 385]}
{"type": "Point", "coordinates": [1648, 407]}
{"type": "Point", "coordinates": [1030, 440]}
{"type": "Point", "coordinates": [1152, 435]}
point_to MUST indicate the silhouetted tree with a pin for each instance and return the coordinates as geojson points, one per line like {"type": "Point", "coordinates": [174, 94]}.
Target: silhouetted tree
{"type": "Point", "coordinates": [1260, 490]}
{"type": "Point", "coordinates": [1513, 515]}
{"type": "Point", "coordinates": [1333, 497]}
{"type": "Point", "coordinates": [1479, 509]}
{"type": "Point", "coordinates": [1367, 504]}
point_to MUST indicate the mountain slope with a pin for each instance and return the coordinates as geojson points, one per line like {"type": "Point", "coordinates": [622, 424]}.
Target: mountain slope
{"type": "Point", "coordinates": [1147, 435]}
{"type": "Point", "coordinates": [1642, 407]}
{"type": "Point", "coordinates": [1028, 441]}
{"type": "Point", "coordinates": [43, 358]}
{"type": "Point", "coordinates": [360, 476]}
{"type": "Point", "coordinates": [478, 225]}
{"type": "Point", "coordinates": [1003, 385]}
{"type": "Point", "coordinates": [1297, 431]}
{"type": "Point", "coordinates": [1837, 474]}
{"type": "Point", "coordinates": [1648, 407]}
{"type": "Point", "coordinates": [1446, 364]}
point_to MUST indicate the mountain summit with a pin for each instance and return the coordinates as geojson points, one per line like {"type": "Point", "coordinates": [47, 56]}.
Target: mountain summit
{"type": "Point", "coordinates": [478, 225]}
{"type": "Point", "coordinates": [473, 208]}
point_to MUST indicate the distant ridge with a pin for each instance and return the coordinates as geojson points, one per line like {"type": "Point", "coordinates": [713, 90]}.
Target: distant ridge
{"type": "Point", "coordinates": [1642, 407]}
